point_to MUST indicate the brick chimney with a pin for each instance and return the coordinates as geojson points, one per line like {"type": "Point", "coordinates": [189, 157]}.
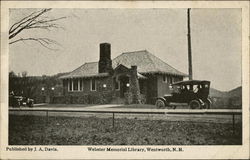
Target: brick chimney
{"type": "Point", "coordinates": [105, 62]}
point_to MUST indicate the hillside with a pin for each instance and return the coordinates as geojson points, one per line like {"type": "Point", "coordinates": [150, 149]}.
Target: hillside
{"type": "Point", "coordinates": [216, 93]}
{"type": "Point", "coordinates": [230, 99]}
{"type": "Point", "coordinates": [237, 92]}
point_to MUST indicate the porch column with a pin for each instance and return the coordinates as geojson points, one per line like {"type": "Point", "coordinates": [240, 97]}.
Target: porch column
{"type": "Point", "coordinates": [134, 85]}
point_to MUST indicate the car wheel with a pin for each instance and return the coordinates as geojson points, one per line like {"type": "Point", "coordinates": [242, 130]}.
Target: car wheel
{"type": "Point", "coordinates": [194, 104]}
{"type": "Point", "coordinates": [159, 103]}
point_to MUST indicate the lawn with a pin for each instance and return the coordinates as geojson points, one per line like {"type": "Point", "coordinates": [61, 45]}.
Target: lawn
{"type": "Point", "coordinates": [33, 130]}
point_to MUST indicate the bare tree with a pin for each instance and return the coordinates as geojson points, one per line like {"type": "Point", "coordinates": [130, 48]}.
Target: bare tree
{"type": "Point", "coordinates": [36, 20]}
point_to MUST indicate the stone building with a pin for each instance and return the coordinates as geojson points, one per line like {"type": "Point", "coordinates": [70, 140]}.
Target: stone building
{"type": "Point", "coordinates": [132, 77]}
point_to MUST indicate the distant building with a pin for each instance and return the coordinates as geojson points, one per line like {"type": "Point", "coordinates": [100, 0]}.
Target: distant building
{"type": "Point", "coordinates": [135, 77]}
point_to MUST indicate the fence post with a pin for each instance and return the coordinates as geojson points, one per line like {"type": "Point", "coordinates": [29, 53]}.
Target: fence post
{"type": "Point", "coordinates": [47, 117]}
{"type": "Point", "coordinates": [113, 122]}
{"type": "Point", "coordinates": [233, 124]}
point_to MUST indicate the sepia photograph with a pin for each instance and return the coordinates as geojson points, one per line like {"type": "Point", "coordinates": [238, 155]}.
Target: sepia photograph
{"type": "Point", "coordinates": [127, 79]}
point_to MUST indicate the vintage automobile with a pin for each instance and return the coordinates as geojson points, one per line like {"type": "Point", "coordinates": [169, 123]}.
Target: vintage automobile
{"type": "Point", "coordinates": [192, 92]}
{"type": "Point", "coordinates": [18, 101]}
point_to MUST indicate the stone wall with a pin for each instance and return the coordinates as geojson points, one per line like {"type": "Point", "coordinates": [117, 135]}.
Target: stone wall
{"type": "Point", "coordinates": [134, 85]}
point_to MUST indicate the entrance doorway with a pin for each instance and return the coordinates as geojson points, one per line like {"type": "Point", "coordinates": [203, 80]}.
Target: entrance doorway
{"type": "Point", "coordinates": [124, 85]}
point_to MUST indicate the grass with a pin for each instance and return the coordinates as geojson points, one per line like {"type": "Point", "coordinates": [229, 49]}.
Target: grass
{"type": "Point", "coordinates": [33, 130]}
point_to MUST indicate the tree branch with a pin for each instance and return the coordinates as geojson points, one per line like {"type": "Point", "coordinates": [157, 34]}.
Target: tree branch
{"type": "Point", "coordinates": [32, 22]}
{"type": "Point", "coordinates": [19, 22]}
{"type": "Point", "coordinates": [29, 18]}
{"type": "Point", "coordinates": [45, 42]}
{"type": "Point", "coordinates": [35, 20]}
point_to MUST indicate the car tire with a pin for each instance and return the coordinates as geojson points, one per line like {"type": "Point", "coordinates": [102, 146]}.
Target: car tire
{"type": "Point", "coordinates": [194, 104]}
{"type": "Point", "coordinates": [160, 103]}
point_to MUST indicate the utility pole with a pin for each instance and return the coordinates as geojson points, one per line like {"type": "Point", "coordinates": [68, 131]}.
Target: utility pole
{"type": "Point", "coordinates": [189, 47]}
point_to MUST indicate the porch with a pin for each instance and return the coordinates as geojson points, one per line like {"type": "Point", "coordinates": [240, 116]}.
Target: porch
{"type": "Point", "coordinates": [130, 86]}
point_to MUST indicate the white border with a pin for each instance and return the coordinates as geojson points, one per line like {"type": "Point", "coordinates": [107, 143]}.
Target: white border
{"type": "Point", "coordinates": [77, 152]}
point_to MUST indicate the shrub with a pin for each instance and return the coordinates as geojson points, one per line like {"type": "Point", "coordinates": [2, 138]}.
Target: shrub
{"type": "Point", "coordinates": [128, 97]}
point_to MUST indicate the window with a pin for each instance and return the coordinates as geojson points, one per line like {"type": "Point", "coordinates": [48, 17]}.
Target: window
{"type": "Point", "coordinates": [93, 85]}
{"type": "Point", "coordinates": [70, 85]}
{"type": "Point", "coordinates": [81, 84]}
{"type": "Point", "coordinates": [170, 80]}
{"type": "Point", "coordinates": [75, 85]}
{"type": "Point", "coordinates": [195, 88]}
{"type": "Point", "coordinates": [164, 78]}
{"type": "Point", "coordinates": [173, 79]}
{"type": "Point", "coordinates": [117, 85]}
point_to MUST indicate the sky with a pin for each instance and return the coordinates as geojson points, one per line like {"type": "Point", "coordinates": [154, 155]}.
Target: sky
{"type": "Point", "coordinates": [215, 33]}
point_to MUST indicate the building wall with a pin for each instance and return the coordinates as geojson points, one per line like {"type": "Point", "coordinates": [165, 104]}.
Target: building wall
{"type": "Point", "coordinates": [163, 86]}
{"type": "Point", "coordinates": [87, 86]}
{"type": "Point", "coordinates": [151, 89]}
{"type": "Point", "coordinates": [101, 95]}
{"type": "Point", "coordinates": [154, 86]}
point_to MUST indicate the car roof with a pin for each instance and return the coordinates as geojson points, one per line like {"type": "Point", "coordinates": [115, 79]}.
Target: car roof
{"type": "Point", "coordinates": [193, 82]}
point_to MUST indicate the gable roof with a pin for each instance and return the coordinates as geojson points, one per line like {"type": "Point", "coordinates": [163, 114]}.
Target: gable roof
{"type": "Point", "coordinates": [144, 60]}
{"type": "Point", "coordinates": [86, 70]}
{"type": "Point", "coordinates": [124, 69]}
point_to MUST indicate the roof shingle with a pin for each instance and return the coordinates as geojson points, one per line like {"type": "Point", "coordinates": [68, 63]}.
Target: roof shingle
{"type": "Point", "coordinates": [145, 62]}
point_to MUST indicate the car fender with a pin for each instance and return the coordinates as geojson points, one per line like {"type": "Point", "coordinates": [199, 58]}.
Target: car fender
{"type": "Point", "coordinates": [201, 101]}
{"type": "Point", "coordinates": [209, 100]}
{"type": "Point", "coordinates": [162, 98]}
